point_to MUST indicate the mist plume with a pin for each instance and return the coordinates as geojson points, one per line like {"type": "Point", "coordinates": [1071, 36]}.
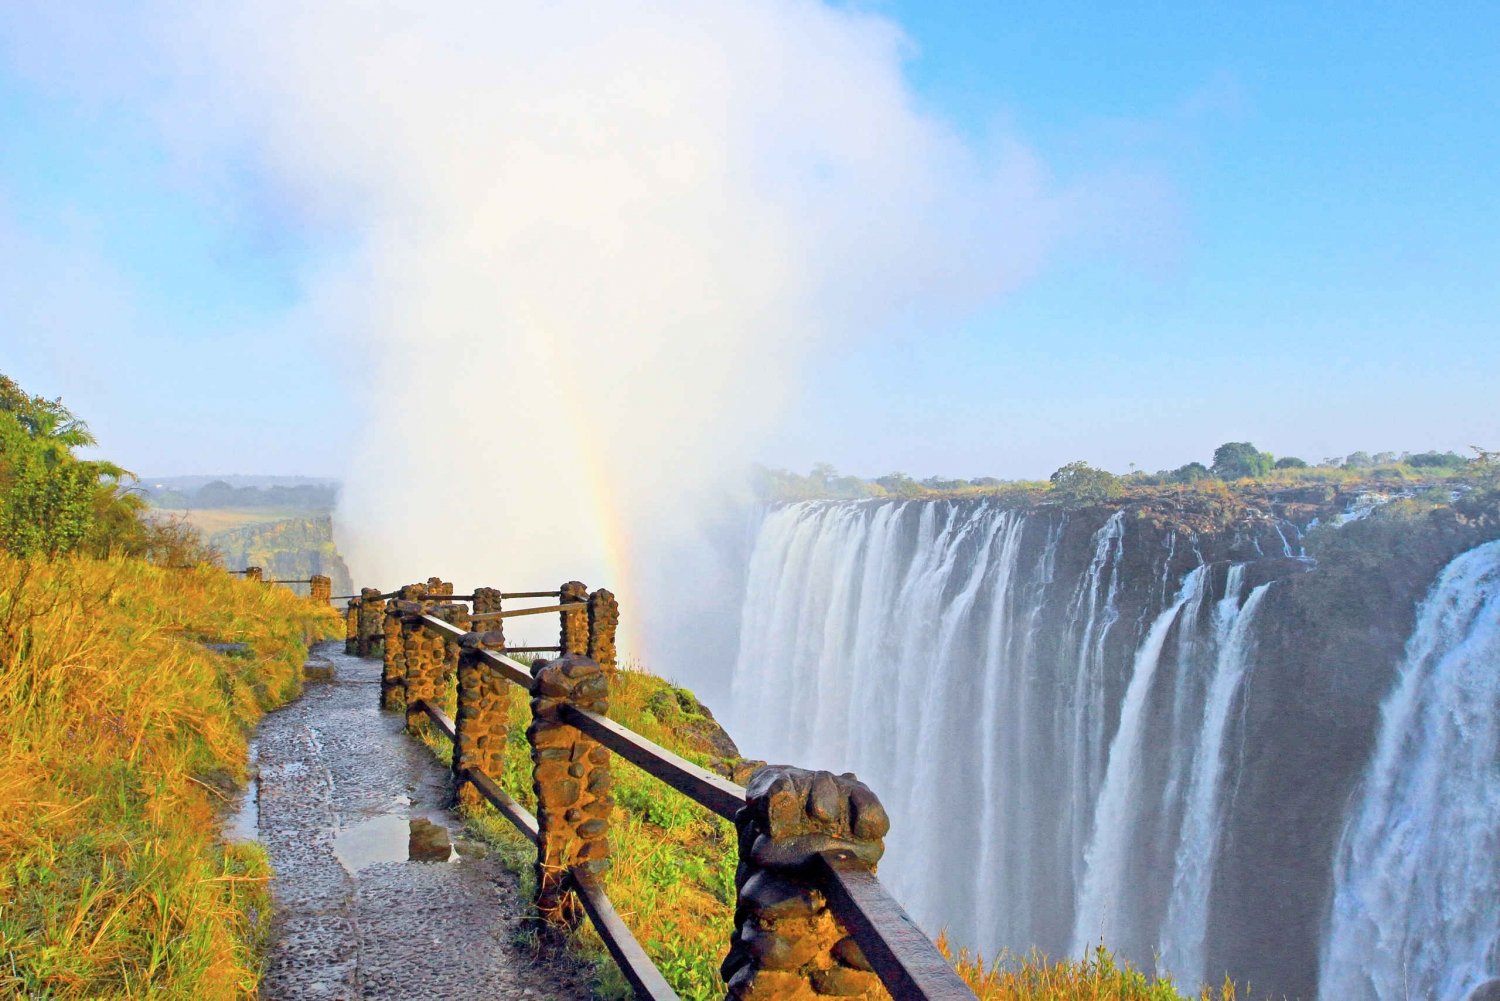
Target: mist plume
{"type": "Point", "coordinates": [589, 249]}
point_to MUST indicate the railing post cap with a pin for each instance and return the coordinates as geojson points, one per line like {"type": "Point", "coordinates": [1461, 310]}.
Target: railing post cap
{"type": "Point", "coordinates": [792, 814]}
{"type": "Point", "coordinates": [572, 679]}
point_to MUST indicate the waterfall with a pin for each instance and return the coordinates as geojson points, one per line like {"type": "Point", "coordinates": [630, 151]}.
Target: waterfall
{"type": "Point", "coordinates": [1104, 886]}
{"type": "Point", "coordinates": [1084, 723]}
{"type": "Point", "coordinates": [1091, 620]}
{"type": "Point", "coordinates": [1183, 935]}
{"type": "Point", "coordinates": [1417, 874]}
{"type": "Point", "coordinates": [993, 676]}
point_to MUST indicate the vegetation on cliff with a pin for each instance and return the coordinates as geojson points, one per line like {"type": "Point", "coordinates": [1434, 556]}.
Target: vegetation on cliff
{"type": "Point", "coordinates": [123, 731]}
{"type": "Point", "coordinates": [674, 863]}
{"type": "Point", "coordinates": [1239, 464]}
{"type": "Point", "coordinates": [122, 736]}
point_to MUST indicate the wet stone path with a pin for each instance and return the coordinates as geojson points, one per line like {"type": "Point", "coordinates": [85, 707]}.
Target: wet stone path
{"type": "Point", "coordinates": [377, 894]}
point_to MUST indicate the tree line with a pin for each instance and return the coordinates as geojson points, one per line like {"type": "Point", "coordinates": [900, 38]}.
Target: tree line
{"type": "Point", "coordinates": [1080, 481]}
{"type": "Point", "coordinates": [219, 494]}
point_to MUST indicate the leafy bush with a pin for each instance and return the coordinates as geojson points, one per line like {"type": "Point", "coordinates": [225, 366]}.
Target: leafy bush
{"type": "Point", "coordinates": [1291, 462]}
{"type": "Point", "coordinates": [900, 485]}
{"type": "Point", "coordinates": [51, 501]}
{"type": "Point", "coordinates": [1078, 481]}
{"type": "Point", "coordinates": [1235, 460]}
{"type": "Point", "coordinates": [1192, 472]}
{"type": "Point", "coordinates": [1437, 460]}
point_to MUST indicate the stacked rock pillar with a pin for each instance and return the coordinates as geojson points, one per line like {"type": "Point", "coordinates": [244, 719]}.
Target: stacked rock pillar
{"type": "Point", "coordinates": [255, 574]}
{"type": "Point", "coordinates": [482, 722]}
{"type": "Point", "coordinates": [371, 619]}
{"type": "Point", "coordinates": [570, 774]}
{"type": "Point", "coordinates": [604, 619]}
{"type": "Point", "coordinates": [320, 589]}
{"type": "Point", "coordinates": [431, 659]}
{"type": "Point", "coordinates": [393, 665]}
{"type": "Point", "coordinates": [787, 944]}
{"type": "Point", "coordinates": [487, 599]}
{"type": "Point", "coordinates": [574, 637]}
{"type": "Point", "coordinates": [351, 626]}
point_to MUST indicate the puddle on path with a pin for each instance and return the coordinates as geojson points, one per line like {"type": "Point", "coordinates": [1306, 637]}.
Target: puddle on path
{"type": "Point", "coordinates": [243, 824]}
{"type": "Point", "coordinates": [393, 838]}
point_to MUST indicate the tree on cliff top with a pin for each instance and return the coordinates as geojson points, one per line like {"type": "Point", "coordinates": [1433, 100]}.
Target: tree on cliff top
{"type": "Point", "coordinates": [1078, 481]}
{"type": "Point", "coordinates": [53, 502]}
{"type": "Point", "coordinates": [1236, 460]}
{"type": "Point", "coordinates": [1191, 472]}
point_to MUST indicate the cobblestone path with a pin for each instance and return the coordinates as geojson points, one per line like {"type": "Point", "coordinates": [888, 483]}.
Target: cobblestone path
{"type": "Point", "coordinates": [377, 894]}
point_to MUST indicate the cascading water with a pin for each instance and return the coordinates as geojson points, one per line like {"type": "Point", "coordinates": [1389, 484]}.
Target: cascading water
{"type": "Point", "coordinates": [1113, 725]}
{"type": "Point", "coordinates": [1050, 739]}
{"type": "Point", "coordinates": [1416, 904]}
{"type": "Point", "coordinates": [1183, 934]}
{"type": "Point", "coordinates": [1100, 916]}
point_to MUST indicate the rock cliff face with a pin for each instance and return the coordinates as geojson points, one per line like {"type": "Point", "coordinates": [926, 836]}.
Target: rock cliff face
{"type": "Point", "coordinates": [1141, 722]}
{"type": "Point", "coordinates": [290, 549]}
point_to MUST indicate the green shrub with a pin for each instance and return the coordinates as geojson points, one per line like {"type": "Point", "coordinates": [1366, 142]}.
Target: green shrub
{"type": "Point", "coordinates": [1078, 481]}
{"type": "Point", "coordinates": [51, 501]}
{"type": "Point", "coordinates": [1236, 460]}
{"type": "Point", "coordinates": [1437, 460]}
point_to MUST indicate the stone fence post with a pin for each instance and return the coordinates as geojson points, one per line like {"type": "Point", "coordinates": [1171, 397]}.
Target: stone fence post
{"type": "Point", "coordinates": [255, 573]}
{"type": "Point", "coordinates": [574, 637]}
{"type": "Point", "coordinates": [604, 619]}
{"type": "Point", "coordinates": [487, 599]}
{"type": "Point", "coordinates": [400, 622]}
{"type": "Point", "coordinates": [408, 599]}
{"type": "Point", "coordinates": [482, 722]}
{"type": "Point", "coordinates": [351, 626]}
{"type": "Point", "coordinates": [431, 660]}
{"type": "Point", "coordinates": [787, 945]}
{"type": "Point", "coordinates": [320, 589]}
{"type": "Point", "coordinates": [371, 615]}
{"type": "Point", "coordinates": [570, 774]}
{"type": "Point", "coordinates": [393, 661]}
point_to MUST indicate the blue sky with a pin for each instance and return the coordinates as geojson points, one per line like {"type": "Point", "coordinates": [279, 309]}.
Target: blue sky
{"type": "Point", "coordinates": [1333, 278]}
{"type": "Point", "coordinates": [1318, 268]}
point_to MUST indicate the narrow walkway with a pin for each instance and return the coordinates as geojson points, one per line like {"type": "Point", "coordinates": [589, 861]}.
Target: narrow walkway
{"type": "Point", "coordinates": [377, 894]}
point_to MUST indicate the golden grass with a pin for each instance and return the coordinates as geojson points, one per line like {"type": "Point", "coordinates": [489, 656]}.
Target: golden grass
{"type": "Point", "coordinates": [122, 738]}
{"type": "Point", "coordinates": [1095, 977]}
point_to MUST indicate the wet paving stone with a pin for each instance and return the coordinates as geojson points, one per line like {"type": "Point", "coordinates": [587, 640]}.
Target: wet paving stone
{"type": "Point", "coordinates": [378, 894]}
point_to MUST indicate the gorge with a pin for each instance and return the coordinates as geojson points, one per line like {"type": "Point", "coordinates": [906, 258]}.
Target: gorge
{"type": "Point", "coordinates": [1178, 725]}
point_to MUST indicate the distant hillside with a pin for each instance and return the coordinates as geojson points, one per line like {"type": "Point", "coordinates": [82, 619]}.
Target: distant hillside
{"type": "Point", "coordinates": [196, 493]}
{"type": "Point", "coordinates": [280, 523]}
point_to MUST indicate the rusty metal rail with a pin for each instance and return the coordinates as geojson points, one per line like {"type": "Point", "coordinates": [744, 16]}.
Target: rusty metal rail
{"type": "Point", "coordinates": [568, 606]}
{"type": "Point", "coordinates": [438, 717]}
{"type": "Point", "coordinates": [698, 784]}
{"type": "Point", "coordinates": [908, 963]}
{"type": "Point", "coordinates": [645, 979]}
